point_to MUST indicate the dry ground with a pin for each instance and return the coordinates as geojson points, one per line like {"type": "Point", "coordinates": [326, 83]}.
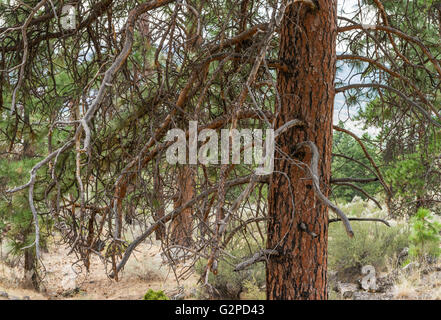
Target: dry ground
{"type": "Point", "coordinates": [66, 280]}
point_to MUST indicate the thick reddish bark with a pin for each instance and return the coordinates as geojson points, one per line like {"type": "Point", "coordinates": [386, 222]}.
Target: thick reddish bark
{"type": "Point", "coordinates": [182, 224]}
{"type": "Point", "coordinates": [306, 87]}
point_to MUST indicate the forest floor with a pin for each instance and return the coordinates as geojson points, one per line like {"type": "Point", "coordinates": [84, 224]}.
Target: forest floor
{"type": "Point", "coordinates": [416, 283]}
{"type": "Point", "coordinates": [66, 280]}
{"type": "Point", "coordinates": [145, 270]}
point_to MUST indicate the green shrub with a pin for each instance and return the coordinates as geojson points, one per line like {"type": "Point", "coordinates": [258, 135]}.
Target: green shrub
{"type": "Point", "coordinates": [228, 283]}
{"type": "Point", "coordinates": [425, 235]}
{"type": "Point", "coordinates": [252, 291]}
{"type": "Point", "coordinates": [372, 244]}
{"type": "Point", "coordinates": [155, 295]}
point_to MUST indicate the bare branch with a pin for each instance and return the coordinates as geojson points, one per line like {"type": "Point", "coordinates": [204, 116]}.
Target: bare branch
{"type": "Point", "coordinates": [260, 256]}
{"type": "Point", "coordinates": [313, 171]}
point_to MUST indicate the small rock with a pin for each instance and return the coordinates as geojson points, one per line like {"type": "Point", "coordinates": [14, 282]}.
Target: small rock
{"type": "Point", "coordinates": [4, 294]}
{"type": "Point", "coordinates": [360, 296]}
{"type": "Point", "coordinates": [71, 293]}
{"type": "Point", "coordinates": [426, 271]}
{"type": "Point", "coordinates": [431, 260]}
{"type": "Point", "coordinates": [26, 298]}
{"type": "Point", "coordinates": [371, 296]}
{"type": "Point", "coordinates": [404, 253]}
{"type": "Point", "coordinates": [347, 289]}
{"type": "Point", "coordinates": [179, 296]}
{"type": "Point", "coordinates": [402, 256]}
{"type": "Point", "coordinates": [385, 283]}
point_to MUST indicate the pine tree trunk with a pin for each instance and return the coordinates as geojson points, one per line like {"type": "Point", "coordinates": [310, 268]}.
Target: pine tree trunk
{"type": "Point", "coordinates": [307, 48]}
{"type": "Point", "coordinates": [30, 275]}
{"type": "Point", "coordinates": [30, 261]}
{"type": "Point", "coordinates": [182, 224]}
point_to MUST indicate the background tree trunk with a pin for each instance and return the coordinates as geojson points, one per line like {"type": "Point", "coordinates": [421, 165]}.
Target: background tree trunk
{"type": "Point", "coordinates": [159, 201]}
{"type": "Point", "coordinates": [182, 224]}
{"type": "Point", "coordinates": [308, 48]}
{"type": "Point", "coordinates": [30, 261]}
{"type": "Point", "coordinates": [30, 273]}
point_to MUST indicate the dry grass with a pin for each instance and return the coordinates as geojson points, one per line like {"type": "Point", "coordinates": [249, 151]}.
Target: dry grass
{"type": "Point", "coordinates": [143, 271]}
{"type": "Point", "coordinates": [404, 289]}
{"type": "Point", "coordinates": [437, 294]}
{"type": "Point", "coordinates": [422, 282]}
{"type": "Point", "coordinates": [147, 269]}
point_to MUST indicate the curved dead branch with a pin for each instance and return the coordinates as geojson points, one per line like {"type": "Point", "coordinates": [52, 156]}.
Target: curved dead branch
{"type": "Point", "coordinates": [313, 172]}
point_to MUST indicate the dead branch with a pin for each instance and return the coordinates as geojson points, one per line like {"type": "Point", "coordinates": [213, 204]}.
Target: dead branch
{"type": "Point", "coordinates": [313, 172]}
{"type": "Point", "coordinates": [260, 256]}
{"type": "Point", "coordinates": [362, 219]}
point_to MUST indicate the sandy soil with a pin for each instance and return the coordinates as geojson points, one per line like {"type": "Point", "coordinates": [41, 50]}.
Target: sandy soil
{"type": "Point", "coordinates": [66, 280]}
